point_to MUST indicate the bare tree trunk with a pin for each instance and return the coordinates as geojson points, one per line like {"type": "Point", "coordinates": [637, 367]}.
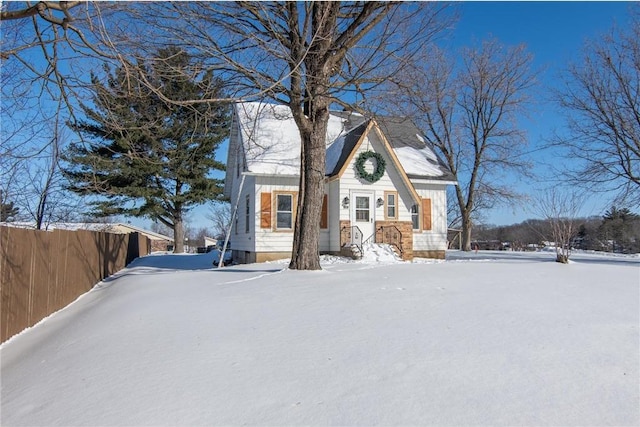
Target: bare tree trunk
{"type": "Point", "coordinates": [40, 211]}
{"type": "Point", "coordinates": [306, 235]}
{"type": "Point", "coordinates": [466, 231]}
{"type": "Point", "coordinates": [312, 121]}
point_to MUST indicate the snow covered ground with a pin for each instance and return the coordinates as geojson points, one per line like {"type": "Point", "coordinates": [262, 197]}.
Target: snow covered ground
{"type": "Point", "coordinates": [492, 338]}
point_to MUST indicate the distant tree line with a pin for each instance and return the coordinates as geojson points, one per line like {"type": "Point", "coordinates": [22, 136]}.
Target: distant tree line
{"type": "Point", "coordinates": [618, 230]}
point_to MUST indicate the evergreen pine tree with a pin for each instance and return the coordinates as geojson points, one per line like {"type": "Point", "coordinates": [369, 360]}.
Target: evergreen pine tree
{"type": "Point", "coordinates": [620, 227]}
{"type": "Point", "coordinates": [8, 210]}
{"type": "Point", "coordinates": [146, 157]}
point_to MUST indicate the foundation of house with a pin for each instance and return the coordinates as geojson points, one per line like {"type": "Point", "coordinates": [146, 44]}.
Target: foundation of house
{"type": "Point", "coordinates": [429, 254]}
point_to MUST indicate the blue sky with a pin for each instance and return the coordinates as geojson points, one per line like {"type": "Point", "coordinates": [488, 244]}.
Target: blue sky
{"type": "Point", "coordinates": [554, 32]}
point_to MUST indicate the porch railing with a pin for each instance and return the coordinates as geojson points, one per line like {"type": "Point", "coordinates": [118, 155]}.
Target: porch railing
{"type": "Point", "coordinates": [356, 238]}
{"type": "Point", "coordinates": [391, 235]}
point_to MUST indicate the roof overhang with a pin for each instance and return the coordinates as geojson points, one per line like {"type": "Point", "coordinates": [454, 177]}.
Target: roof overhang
{"type": "Point", "coordinates": [270, 175]}
{"type": "Point", "coordinates": [432, 181]}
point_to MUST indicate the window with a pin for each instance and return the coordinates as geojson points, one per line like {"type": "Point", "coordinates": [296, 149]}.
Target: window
{"type": "Point", "coordinates": [362, 209]}
{"type": "Point", "coordinates": [284, 211]}
{"type": "Point", "coordinates": [391, 208]}
{"type": "Point", "coordinates": [247, 216]}
{"type": "Point", "coordinates": [415, 217]}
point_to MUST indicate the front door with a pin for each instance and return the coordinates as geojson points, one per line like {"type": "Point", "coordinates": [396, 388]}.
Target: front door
{"type": "Point", "coordinates": [362, 213]}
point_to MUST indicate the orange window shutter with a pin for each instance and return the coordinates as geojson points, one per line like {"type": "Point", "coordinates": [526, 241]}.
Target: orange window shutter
{"type": "Point", "coordinates": [426, 214]}
{"type": "Point", "coordinates": [265, 210]}
{"type": "Point", "coordinates": [324, 223]}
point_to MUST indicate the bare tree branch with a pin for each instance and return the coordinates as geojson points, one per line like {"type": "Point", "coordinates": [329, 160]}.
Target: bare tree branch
{"type": "Point", "coordinates": [468, 114]}
{"type": "Point", "coordinates": [601, 97]}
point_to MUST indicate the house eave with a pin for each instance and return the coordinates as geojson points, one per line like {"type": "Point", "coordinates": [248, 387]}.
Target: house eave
{"type": "Point", "coordinates": [432, 181]}
{"type": "Point", "coordinates": [271, 175]}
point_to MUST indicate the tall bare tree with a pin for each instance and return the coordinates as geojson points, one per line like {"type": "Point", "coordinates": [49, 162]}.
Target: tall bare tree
{"type": "Point", "coordinates": [41, 47]}
{"type": "Point", "coordinates": [602, 100]}
{"type": "Point", "coordinates": [44, 197]}
{"type": "Point", "coordinates": [468, 112]}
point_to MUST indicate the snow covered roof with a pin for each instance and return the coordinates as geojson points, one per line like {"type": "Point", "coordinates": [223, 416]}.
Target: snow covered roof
{"type": "Point", "coordinates": [271, 142]}
{"type": "Point", "coordinates": [417, 157]}
{"type": "Point", "coordinates": [338, 152]}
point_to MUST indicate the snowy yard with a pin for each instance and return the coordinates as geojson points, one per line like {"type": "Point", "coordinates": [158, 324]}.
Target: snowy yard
{"type": "Point", "coordinates": [480, 339]}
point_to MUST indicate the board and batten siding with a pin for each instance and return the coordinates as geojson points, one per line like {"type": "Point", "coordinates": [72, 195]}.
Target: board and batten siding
{"type": "Point", "coordinates": [391, 181]}
{"type": "Point", "coordinates": [241, 240]}
{"type": "Point", "coordinates": [267, 238]}
{"type": "Point", "coordinates": [436, 237]}
{"type": "Point", "coordinates": [334, 212]}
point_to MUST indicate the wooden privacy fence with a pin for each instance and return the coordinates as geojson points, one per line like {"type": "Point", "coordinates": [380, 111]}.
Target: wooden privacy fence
{"type": "Point", "coordinates": [43, 271]}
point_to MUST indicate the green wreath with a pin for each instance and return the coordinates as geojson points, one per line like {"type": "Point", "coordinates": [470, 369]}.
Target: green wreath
{"type": "Point", "coordinates": [380, 165]}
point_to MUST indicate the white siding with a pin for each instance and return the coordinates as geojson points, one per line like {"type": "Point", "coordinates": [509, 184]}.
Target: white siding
{"type": "Point", "coordinates": [390, 181]}
{"type": "Point", "coordinates": [323, 243]}
{"type": "Point", "coordinates": [240, 240]}
{"type": "Point", "coordinates": [334, 212]}
{"type": "Point", "coordinates": [266, 239]}
{"type": "Point", "coordinates": [436, 238]}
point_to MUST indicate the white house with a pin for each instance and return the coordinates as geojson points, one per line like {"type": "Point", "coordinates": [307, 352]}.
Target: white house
{"type": "Point", "coordinates": [383, 183]}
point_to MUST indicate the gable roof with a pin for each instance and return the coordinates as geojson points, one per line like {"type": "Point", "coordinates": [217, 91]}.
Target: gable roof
{"type": "Point", "coordinates": [349, 149]}
{"type": "Point", "coordinates": [270, 142]}
{"type": "Point", "coordinates": [417, 156]}
{"type": "Point", "coordinates": [338, 152]}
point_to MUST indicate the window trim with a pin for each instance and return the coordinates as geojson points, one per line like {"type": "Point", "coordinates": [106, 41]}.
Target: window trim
{"type": "Point", "coordinates": [294, 197]}
{"type": "Point", "coordinates": [368, 209]}
{"type": "Point", "coordinates": [387, 205]}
